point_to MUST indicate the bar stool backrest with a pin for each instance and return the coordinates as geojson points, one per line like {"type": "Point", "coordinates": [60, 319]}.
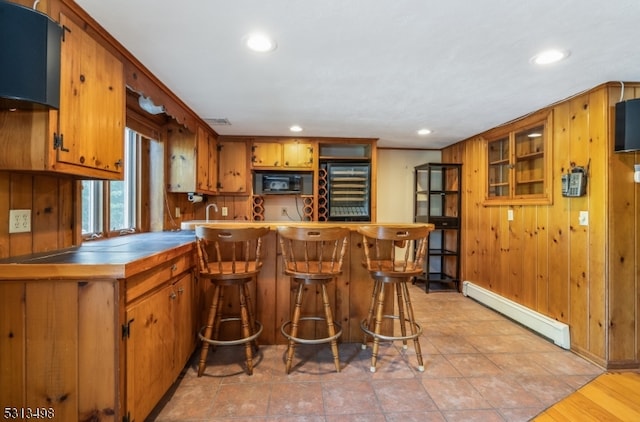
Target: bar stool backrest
{"type": "Point", "coordinates": [229, 253]}
{"type": "Point", "coordinates": [394, 251]}
{"type": "Point", "coordinates": [313, 252]}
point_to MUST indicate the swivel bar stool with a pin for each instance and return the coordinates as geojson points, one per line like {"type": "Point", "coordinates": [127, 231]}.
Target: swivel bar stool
{"type": "Point", "coordinates": [312, 257]}
{"type": "Point", "coordinates": [393, 256]}
{"type": "Point", "coordinates": [229, 257]}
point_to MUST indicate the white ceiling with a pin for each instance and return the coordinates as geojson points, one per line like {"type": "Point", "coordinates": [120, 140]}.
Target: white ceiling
{"type": "Point", "coordinates": [376, 68]}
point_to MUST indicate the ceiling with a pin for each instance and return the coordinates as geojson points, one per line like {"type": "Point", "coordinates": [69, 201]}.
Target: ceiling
{"type": "Point", "coordinates": [375, 68]}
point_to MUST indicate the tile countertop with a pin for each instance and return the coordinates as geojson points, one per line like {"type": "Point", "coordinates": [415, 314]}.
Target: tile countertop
{"type": "Point", "coordinates": [118, 257]}
{"type": "Point", "coordinates": [352, 225]}
{"type": "Point", "coordinates": [125, 256]}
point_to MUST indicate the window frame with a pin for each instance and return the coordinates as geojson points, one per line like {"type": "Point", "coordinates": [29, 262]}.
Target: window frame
{"type": "Point", "coordinates": [100, 195]}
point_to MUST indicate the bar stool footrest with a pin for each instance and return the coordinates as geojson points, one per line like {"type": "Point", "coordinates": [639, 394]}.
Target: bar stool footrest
{"type": "Point", "coordinates": [283, 329]}
{"type": "Point", "coordinates": [242, 340]}
{"type": "Point", "coordinates": [417, 329]}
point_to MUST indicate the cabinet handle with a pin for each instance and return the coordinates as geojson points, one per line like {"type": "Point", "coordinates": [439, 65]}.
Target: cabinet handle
{"type": "Point", "coordinates": [181, 290]}
{"type": "Point", "coordinates": [174, 267]}
{"type": "Point", "coordinates": [173, 295]}
{"type": "Point", "coordinates": [118, 163]}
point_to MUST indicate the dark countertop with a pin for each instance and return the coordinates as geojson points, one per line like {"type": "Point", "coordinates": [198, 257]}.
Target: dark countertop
{"type": "Point", "coordinates": [125, 256]}
{"type": "Point", "coordinates": [118, 257]}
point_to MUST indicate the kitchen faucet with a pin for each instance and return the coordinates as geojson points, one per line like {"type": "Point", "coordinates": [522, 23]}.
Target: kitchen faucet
{"type": "Point", "coordinates": [207, 210]}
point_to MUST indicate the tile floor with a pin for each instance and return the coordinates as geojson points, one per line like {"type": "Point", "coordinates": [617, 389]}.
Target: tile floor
{"type": "Point", "coordinates": [479, 366]}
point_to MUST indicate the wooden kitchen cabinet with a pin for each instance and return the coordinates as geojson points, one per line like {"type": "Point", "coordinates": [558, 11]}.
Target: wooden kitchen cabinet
{"type": "Point", "coordinates": [85, 137]}
{"type": "Point", "coordinates": [92, 104]}
{"type": "Point", "coordinates": [207, 160]}
{"type": "Point", "coordinates": [192, 159]}
{"type": "Point", "coordinates": [161, 337]}
{"type": "Point", "coordinates": [233, 167]}
{"type": "Point", "coordinates": [97, 347]}
{"type": "Point", "coordinates": [297, 154]}
{"type": "Point", "coordinates": [60, 346]}
{"type": "Point", "coordinates": [287, 154]}
{"type": "Point", "coordinates": [266, 154]}
{"type": "Point", "coordinates": [518, 163]}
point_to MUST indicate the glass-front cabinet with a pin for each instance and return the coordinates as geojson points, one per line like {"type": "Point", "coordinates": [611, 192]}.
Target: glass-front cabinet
{"type": "Point", "coordinates": [518, 164]}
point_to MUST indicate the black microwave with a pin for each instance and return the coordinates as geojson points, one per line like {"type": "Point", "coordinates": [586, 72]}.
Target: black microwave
{"type": "Point", "coordinates": [270, 183]}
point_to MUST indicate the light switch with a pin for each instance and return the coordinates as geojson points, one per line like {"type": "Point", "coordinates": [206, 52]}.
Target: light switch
{"type": "Point", "coordinates": [583, 218]}
{"type": "Point", "coordinates": [509, 215]}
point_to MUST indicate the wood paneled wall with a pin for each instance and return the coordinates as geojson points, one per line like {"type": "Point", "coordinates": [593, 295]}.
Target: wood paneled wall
{"type": "Point", "coordinates": [53, 213]}
{"type": "Point", "coordinates": [585, 276]}
{"type": "Point", "coordinates": [238, 208]}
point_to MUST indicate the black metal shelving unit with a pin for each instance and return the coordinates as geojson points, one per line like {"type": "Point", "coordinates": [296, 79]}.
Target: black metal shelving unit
{"type": "Point", "coordinates": [438, 188]}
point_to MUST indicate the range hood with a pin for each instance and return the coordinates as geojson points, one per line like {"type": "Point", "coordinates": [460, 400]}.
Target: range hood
{"type": "Point", "coordinates": [29, 58]}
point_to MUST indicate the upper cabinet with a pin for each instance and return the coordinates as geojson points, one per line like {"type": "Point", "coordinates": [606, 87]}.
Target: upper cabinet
{"type": "Point", "coordinates": [85, 137]}
{"type": "Point", "coordinates": [92, 104]}
{"type": "Point", "coordinates": [207, 160]}
{"type": "Point", "coordinates": [192, 160]}
{"type": "Point", "coordinates": [517, 159]}
{"type": "Point", "coordinates": [233, 169]}
{"type": "Point", "coordinates": [284, 154]}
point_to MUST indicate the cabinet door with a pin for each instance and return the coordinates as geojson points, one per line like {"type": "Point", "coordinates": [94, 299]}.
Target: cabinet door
{"type": "Point", "coordinates": [298, 154]}
{"type": "Point", "coordinates": [184, 321]}
{"type": "Point", "coordinates": [149, 352]}
{"type": "Point", "coordinates": [233, 168]}
{"type": "Point", "coordinates": [207, 166]}
{"type": "Point", "coordinates": [266, 154]}
{"type": "Point", "coordinates": [92, 104]}
{"type": "Point", "coordinates": [183, 164]}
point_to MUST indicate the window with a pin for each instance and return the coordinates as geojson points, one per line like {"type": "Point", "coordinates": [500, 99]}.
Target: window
{"type": "Point", "coordinates": [91, 208]}
{"type": "Point", "coordinates": [517, 160]}
{"type": "Point", "coordinates": [123, 194]}
{"type": "Point", "coordinates": [111, 207]}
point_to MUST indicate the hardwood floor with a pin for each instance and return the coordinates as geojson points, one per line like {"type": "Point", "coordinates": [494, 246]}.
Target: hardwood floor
{"type": "Point", "coordinates": [610, 397]}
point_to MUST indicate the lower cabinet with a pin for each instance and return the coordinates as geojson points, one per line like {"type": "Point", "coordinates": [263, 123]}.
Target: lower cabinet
{"type": "Point", "coordinates": [159, 342]}
{"type": "Point", "coordinates": [159, 335]}
{"type": "Point", "coordinates": [96, 349]}
{"type": "Point", "coordinates": [60, 349]}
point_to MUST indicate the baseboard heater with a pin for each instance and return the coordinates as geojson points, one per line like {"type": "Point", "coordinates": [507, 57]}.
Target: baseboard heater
{"type": "Point", "coordinates": [554, 330]}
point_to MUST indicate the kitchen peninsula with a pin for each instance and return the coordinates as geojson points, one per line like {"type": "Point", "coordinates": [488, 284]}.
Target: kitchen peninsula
{"type": "Point", "coordinates": [126, 311]}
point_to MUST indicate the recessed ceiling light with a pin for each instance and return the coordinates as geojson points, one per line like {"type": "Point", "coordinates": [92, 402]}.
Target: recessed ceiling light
{"type": "Point", "coordinates": [295, 128]}
{"type": "Point", "coordinates": [260, 42]}
{"type": "Point", "coordinates": [424, 132]}
{"type": "Point", "coordinates": [549, 56]}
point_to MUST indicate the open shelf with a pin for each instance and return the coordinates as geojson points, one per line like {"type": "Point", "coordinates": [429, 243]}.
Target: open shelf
{"type": "Point", "coordinates": [442, 209]}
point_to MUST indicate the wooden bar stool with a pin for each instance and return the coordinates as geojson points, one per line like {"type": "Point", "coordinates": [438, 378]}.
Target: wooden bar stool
{"type": "Point", "coordinates": [230, 257]}
{"type": "Point", "coordinates": [393, 256]}
{"type": "Point", "coordinates": [312, 256]}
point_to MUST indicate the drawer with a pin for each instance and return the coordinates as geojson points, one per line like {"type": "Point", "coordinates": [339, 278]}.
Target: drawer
{"type": "Point", "coordinates": [445, 222]}
{"type": "Point", "coordinates": [141, 284]}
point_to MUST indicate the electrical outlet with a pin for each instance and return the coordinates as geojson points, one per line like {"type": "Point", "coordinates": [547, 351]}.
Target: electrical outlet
{"type": "Point", "coordinates": [284, 212]}
{"type": "Point", "coordinates": [509, 215]}
{"type": "Point", "coordinates": [19, 221]}
{"type": "Point", "coordinates": [225, 211]}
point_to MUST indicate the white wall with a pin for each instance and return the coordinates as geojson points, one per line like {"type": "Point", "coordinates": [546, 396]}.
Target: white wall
{"type": "Point", "coordinates": [395, 182]}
